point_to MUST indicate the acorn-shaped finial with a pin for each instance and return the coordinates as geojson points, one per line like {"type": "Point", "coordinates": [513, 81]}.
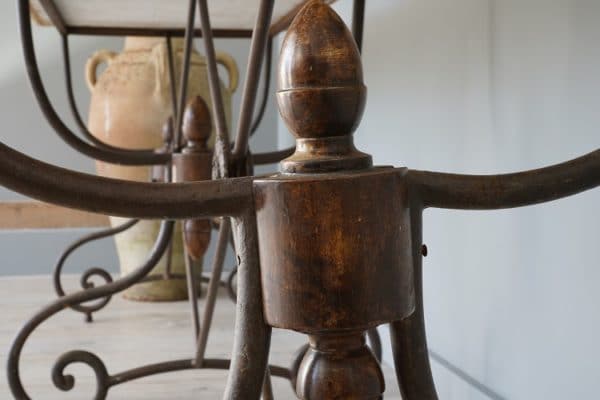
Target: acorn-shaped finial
{"type": "Point", "coordinates": [321, 92]}
{"type": "Point", "coordinates": [197, 124]}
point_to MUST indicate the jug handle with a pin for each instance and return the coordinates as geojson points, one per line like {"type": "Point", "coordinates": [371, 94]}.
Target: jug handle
{"type": "Point", "coordinates": [91, 67]}
{"type": "Point", "coordinates": [232, 70]}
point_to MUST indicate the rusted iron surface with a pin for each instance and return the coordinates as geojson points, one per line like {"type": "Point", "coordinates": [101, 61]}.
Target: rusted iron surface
{"type": "Point", "coordinates": [252, 334]}
{"type": "Point", "coordinates": [409, 340]}
{"type": "Point", "coordinates": [122, 198]}
{"type": "Point", "coordinates": [86, 281]}
{"type": "Point", "coordinates": [477, 192]}
{"type": "Point", "coordinates": [63, 382]}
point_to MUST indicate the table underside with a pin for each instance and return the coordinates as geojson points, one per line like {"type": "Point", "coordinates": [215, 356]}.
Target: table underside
{"type": "Point", "coordinates": [234, 18]}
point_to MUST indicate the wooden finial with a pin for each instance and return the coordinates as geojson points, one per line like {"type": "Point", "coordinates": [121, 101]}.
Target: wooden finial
{"type": "Point", "coordinates": [321, 92]}
{"type": "Point", "coordinates": [193, 164]}
{"type": "Point", "coordinates": [197, 125]}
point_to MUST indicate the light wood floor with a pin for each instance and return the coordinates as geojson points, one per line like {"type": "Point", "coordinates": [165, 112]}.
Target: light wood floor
{"type": "Point", "coordinates": [126, 335]}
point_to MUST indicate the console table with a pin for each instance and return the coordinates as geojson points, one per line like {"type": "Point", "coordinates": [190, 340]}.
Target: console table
{"type": "Point", "coordinates": [331, 246]}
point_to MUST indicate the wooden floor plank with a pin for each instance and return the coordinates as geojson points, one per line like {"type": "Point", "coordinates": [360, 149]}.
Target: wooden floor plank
{"type": "Point", "coordinates": [126, 335]}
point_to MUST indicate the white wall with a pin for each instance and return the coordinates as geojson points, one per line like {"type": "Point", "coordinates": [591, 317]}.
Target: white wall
{"type": "Point", "coordinates": [24, 128]}
{"type": "Point", "coordinates": [478, 86]}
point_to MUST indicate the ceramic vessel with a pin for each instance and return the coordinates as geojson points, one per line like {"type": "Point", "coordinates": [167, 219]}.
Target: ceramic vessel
{"type": "Point", "coordinates": [130, 103]}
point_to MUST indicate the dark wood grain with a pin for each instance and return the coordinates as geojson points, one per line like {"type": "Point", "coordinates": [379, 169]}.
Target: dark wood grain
{"type": "Point", "coordinates": [335, 250]}
{"type": "Point", "coordinates": [321, 93]}
{"type": "Point", "coordinates": [334, 232]}
{"type": "Point", "coordinates": [193, 164]}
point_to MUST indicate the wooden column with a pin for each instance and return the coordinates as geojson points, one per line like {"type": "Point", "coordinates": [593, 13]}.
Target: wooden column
{"type": "Point", "coordinates": [334, 231]}
{"type": "Point", "coordinates": [194, 163]}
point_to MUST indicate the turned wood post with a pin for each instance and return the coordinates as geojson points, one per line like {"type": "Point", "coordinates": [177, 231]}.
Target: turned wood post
{"type": "Point", "coordinates": [194, 163]}
{"type": "Point", "coordinates": [334, 231]}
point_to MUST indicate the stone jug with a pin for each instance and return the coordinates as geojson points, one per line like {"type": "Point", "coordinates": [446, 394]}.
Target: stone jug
{"type": "Point", "coordinates": [130, 103]}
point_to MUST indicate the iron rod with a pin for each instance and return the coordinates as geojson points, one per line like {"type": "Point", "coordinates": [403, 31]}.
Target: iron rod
{"type": "Point", "coordinates": [260, 37]}
{"type": "Point", "coordinates": [252, 335]}
{"type": "Point", "coordinates": [172, 78]}
{"type": "Point", "coordinates": [185, 72]}
{"type": "Point", "coordinates": [115, 156]}
{"type": "Point", "coordinates": [180, 365]}
{"type": "Point", "coordinates": [409, 341]}
{"type": "Point", "coordinates": [87, 309]}
{"type": "Point", "coordinates": [213, 287]}
{"type": "Point", "coordinates": [192, 291]}
{"type": "Point", "coordinates": [117, 197]}
{"type": "Point", "coordinates": [358, 22]}
{"type": "Point", "coordinates": [218, 107]}
{"type": "Point", "coordinates": [484, 192]}
{"type": "Point", "coordinates": [61, 303]}
{"type": "Point", "coordinates": [75, 110]}
{"type": "Point", "coordinates": [266, 88]}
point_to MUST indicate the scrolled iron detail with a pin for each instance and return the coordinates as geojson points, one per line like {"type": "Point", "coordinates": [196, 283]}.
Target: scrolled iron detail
{"type": "Point", "coordinates": [68, 301]}
{"type": "Point", "coordinates": [86, 278]}
{"type": "Point", "coordinates": [66, 382]}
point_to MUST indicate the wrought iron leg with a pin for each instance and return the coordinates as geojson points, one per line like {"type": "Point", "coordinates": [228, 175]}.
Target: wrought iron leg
{"type": "Point", "coordinates": [66, 382]}
{"type": "Point", "coordinates": [192, 287]}
{"type": "Point", "coordinates": [409, 342]}
{"type": "Point", "coordinates": [213, 287]}
{"type": "Point", "coordinates": [252, 336]}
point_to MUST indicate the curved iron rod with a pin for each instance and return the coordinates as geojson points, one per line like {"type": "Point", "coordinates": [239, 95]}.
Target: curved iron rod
{"type": "Point", "coordinates": [485, 192]}
{"type": "Point", "coordinates": [61, 303]}
{"type": "Point", "coordinates": [180, 365]}
{"type": "Point", "coordinates": [125, 157]}
{"type": "Point", "coordinates": [408, 337]}
{"type": "Point", "coordinates": [104, 381]}
{"type": "Point", "coordinates": [272, 157]}
{"type": "Point", "coordinates": [117, 197]}
{"type": "Point", "coordinates": [221, 150]}
{"type": "Point", "coordinates": [260, 37]}
{"type": "Point", "coordinates": [85, 282]}
{"type": "Point", "coordinates": [266, 87]}
{"type": "Point", "coordinates": [75, 110]}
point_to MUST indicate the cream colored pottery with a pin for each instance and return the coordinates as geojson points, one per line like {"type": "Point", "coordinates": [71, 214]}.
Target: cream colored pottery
{"type": "Point", "coordinates": [130, 103]}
